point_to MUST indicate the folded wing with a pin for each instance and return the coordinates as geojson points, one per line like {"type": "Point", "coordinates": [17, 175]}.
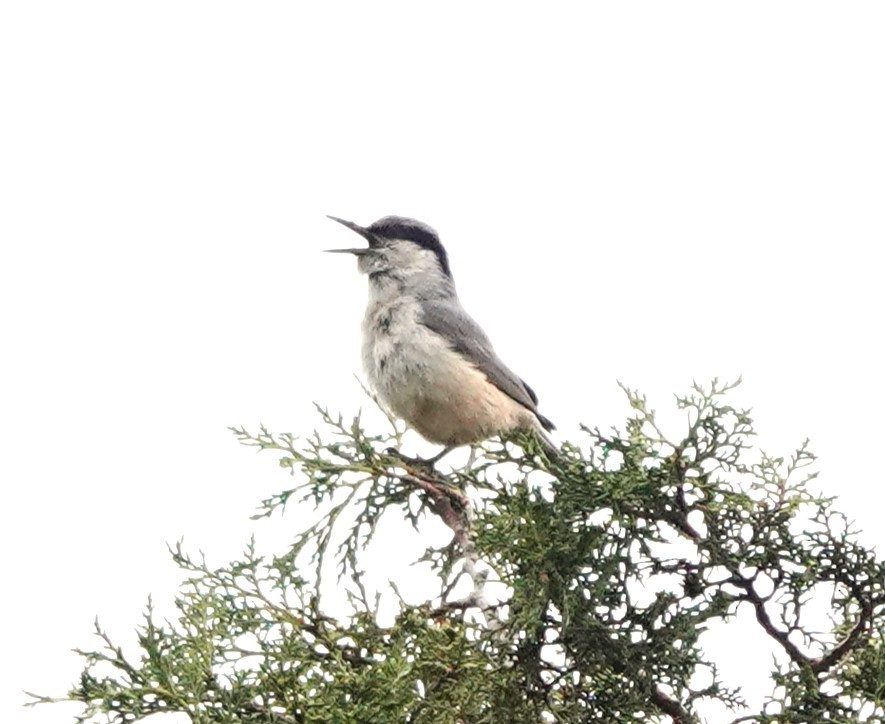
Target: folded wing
{"type": "Point", "coordinates": [467, 338]}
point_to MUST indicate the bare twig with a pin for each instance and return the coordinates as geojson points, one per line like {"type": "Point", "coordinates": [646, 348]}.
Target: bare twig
{"type": "Point", "coordinates": [671, 707]}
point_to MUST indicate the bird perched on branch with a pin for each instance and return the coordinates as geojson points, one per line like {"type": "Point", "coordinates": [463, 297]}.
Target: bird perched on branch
{"type": "Point", "coordinates": [425, 357]}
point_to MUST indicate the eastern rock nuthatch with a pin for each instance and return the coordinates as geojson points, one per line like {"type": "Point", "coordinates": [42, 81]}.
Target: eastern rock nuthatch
{"type": "Point", "coordinates": [426, 359]}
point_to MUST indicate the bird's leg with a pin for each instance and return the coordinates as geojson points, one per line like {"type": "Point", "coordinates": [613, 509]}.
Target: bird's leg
{"type": "Point", "coordinates": [439, 456]}
{"type": "Point", "coordinates": [426, 463]}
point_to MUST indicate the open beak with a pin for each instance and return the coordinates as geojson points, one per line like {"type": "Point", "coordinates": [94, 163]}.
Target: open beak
{"type": "Point", "coordinates": [365, 233]}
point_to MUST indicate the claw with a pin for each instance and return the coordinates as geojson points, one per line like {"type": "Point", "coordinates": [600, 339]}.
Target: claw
{"type": "Point", "coordinates": [419, 463]}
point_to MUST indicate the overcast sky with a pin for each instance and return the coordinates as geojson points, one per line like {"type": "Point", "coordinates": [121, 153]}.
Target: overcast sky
{"type": "Point", "coordinates": [648, 192]}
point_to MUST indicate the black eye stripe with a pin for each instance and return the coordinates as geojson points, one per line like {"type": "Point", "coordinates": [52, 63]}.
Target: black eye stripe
{"type": "Point", "coordinates": [409, 230]}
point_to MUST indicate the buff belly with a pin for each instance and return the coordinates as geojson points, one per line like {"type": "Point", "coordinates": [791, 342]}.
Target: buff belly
{"type": "Point", "coordinates": [439, 393]}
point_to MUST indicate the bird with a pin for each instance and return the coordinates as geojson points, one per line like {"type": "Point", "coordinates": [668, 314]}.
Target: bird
{"type": "Point", "coordinates": [426, 359]}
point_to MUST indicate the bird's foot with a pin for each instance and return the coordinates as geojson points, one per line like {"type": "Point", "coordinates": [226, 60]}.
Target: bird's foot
{"type": "Point", "coordinates": [426, 464]}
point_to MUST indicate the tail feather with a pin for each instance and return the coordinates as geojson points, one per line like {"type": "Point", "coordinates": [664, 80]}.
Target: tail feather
{"type": "Point", "coordinates": [546, 441]}
{"type": "Point", "coordinates": [545, 423]}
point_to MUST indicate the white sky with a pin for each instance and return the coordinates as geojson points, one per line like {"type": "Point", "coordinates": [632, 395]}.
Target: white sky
{"type": "Point", "coordinates": [638, 191]}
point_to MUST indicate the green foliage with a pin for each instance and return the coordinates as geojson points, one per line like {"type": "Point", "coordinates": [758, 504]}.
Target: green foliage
{"type": "Point", "coordinates": [617, 556]}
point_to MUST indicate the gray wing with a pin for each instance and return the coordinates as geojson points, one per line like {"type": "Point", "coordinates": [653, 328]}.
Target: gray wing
{"type": "Point", "coordinates": [466, 337]}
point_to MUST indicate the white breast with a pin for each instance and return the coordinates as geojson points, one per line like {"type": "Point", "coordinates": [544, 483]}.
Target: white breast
{"type": "Point", "coordinates": [422, 380]}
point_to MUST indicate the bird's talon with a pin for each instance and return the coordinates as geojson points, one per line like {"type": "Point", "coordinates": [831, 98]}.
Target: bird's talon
{"type": "Point", "coordinates": [420, 463]}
